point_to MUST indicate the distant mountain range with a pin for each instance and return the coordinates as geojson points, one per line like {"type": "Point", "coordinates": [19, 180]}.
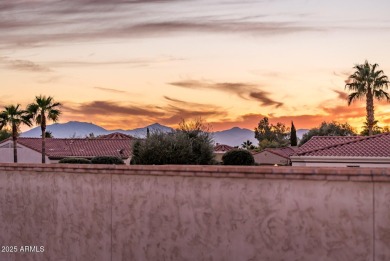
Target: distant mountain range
{"type": "Point", "coordinates": [74, 129]}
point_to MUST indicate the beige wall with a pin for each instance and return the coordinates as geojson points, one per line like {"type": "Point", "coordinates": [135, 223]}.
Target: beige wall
{"type": "Point", "coordinates": [194, 212]}
{"type": "Point", "coordinates": [218, 156]}
{"type": "Point", "coordinates": [320, 161]}
{"type": "Point", "coordinates": [268, 158]}
{"type": "Point", "coordinates": [25, 155]}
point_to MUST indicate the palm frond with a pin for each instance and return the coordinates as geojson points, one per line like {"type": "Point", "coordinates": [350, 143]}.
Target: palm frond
{"type": "Point", "coordinates": [354, 96]}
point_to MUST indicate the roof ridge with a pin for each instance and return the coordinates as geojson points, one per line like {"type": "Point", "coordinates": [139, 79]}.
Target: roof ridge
{"type": "Point", "coordinates": [321, 137]}
{"type": "Point", "coordinates": [361, 138]}
{"type": "Point", "coordinates": [31, 147]}
{"type": "Point", "coordinates": [66, 139]}
{"type": "Point", "coordinates": [274, 151]}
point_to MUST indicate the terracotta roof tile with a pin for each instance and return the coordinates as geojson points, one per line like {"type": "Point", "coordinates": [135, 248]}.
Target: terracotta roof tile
{"type": "Point", "coordinates": [285, 152]}
{"type": "Point", "coordinates": [370, 146]}
{"type": "Point", "coordinates": [60, 148]}
{"type": "Point", "coordinates": [318, 142]}
{"type": "Point", "coordinates": [116, 135]}
{"type": "Point", "coordinates": [222, 147]}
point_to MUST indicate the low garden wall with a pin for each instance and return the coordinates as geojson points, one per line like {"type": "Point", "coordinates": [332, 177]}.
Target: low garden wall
{"type": "Point", "coordinates": [89, 212]}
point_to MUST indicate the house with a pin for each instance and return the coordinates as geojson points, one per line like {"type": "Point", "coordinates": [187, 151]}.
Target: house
{"type": "Point", "coordinates": [272, 156]}
{"type": "Point", "coordinates": [350, 151]}
{"type": "Point", "coordinates": [220, 149]}
{"type": "Point", "coordinates": [30, 149]}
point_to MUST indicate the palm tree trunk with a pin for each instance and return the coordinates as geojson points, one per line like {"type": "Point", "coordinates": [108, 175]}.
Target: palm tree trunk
{"type": "Point", "coordinates": [370, 111]}
{"type": "Point", "coordinates": [14, 138]}
{"type": "Point", "coordinates": [43, 129]}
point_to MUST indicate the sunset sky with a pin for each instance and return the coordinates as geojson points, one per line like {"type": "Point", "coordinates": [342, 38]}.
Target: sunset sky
{"type": "Point", "coordinates": [130, 63]}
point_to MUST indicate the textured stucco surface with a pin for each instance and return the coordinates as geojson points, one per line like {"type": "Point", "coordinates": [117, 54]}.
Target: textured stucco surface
{"type": "Point", "coordinates": [25, 155]}
{"type": "Point", "coordinates": [268, 158]}
{"type": "Point", "coordinates": [216, 219]}
{"type": "Point", "coordinates": [194, 213]}
{"type": "Point", "coordinates": [70, 215]}
{"type": "Point", "coordinates": [382, 222]}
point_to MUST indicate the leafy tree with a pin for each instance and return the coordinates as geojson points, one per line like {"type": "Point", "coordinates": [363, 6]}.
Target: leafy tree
{"type": "Point", "coordinates": [293, 135]}
{"type": "Point", "coordinates": [43, 109]}
{"type": "Point", "coordinates": [270, 135]}
{"type": "Point", "coordinates": [13, 116]}
{"type": "Point", "coordinates": [375, 130]}
{"type": "Point", "coordinates": [238, 157]}
{"type": "Point", "coordinates": [190, 144]}
{"type": "Point", "coordinates": [369, 82]}
{"type": "Point", "coordinates": [329, 129]}
{"type": "Point", "coordinates": [5, 134]}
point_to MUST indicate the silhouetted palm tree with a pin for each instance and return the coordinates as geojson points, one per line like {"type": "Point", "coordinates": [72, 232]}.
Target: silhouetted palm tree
{"type": "Point", "coordinates": [43, 109]}
{"type": "Point", "coordinates": [369, 82]}
{"type": "Point", "coordinates": [247, 145]}
{"type": "Point", "coordinates": [13, 116]}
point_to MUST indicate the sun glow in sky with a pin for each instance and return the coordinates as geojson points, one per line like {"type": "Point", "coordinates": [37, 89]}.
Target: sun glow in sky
{"type": "Point", "coordinates": [129, 63]}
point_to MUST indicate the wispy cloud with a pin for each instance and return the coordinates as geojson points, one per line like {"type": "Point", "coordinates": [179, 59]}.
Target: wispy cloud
{"type": "Point", "coordinates": [178, 110]}
{"type": "Point", "coordinates": [113, 114]}
{"type": "Point", "coordinates": [136, 62]}
{"type": "Point", "coordinates": [23, 65]}
{"type": "Point", "coordinates": [341, 95]}
{"type": "Point", "coordinates": [109, 90]}
{"type": "Point", "coordinates": [109, 108]}
{"type": "Point", "coordinates": [245, 91]}
{"type": "Point", "coordinates": [43, 22]}
{"type": "Point", "coordinates": [264, 99]}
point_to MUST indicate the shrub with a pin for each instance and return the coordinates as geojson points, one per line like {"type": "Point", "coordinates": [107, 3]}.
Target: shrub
{"type": "Point", "coordinates": [190, 144]}
{"type": "Point", "coordinates": [238, 157]}
{"type": "Point", "coordinates": [75, 161]}
{"type": "Point", "coordinates": [107, 160]}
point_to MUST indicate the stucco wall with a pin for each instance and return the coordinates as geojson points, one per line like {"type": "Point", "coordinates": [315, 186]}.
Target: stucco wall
{"type": "Point", "coordinates": [268, 158]}
{"type": "Point", "coordinates": [194, 212]}
{"type": "Point", "coordinates": [25, 155]}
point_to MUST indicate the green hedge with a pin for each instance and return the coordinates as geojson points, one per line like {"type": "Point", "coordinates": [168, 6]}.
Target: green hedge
{"type": "Point", "coordinates": [107, 160]}
{"type": "Point", "coordinates": [238, 157]}
{"type": "Point", "coordinates": [75, 161]}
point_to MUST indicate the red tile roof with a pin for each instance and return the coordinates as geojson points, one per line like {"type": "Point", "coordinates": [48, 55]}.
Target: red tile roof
{"type": "Point", "coordinates": [222, 147]}
{"type": "Point", "coordinates": [370, 146]}
{"type": "Point", "coordinates": [285, 152]}
{"type": "Point", "coordinates": [62, 148]}
{"type": "Point", "coordinates": [116, 135]}
{"type": "Point", "coordinates": [318, 142]}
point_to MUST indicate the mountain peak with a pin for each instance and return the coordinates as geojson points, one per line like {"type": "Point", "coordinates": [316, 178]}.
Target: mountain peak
{"type": "Point", "coordinates": [156, 124]}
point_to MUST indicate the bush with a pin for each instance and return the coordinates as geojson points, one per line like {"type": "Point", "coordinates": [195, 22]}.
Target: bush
{"type": "Point", "coordinates": [238, 157]}
{"type": "Point", "coordinates": [190, 144]}
{"type": "Point", "coordinates": [107, 160]}
{"type": "Point", "coordinates": [75, 161]}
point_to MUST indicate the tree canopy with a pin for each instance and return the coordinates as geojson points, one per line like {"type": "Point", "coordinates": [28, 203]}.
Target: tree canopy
{"type": "Point", "coordinates": [368, 82]}
{"type": "Point", "coordinates": [5, 134]}
{"type": "Point", "coordinates": [329, 129]}
{"type": "Point", "coordinates": [41, 110]}
{"type": "Point", "coordinates": [293, 135]}
{"type": "Point", "coordinates": [375, 129]}
{"type": "Point", "coordinates": [13, 117]}
{"type": "Point", "coordinates": [270, 135]}
{"type": "Point", "coordinates": [190, 144]}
